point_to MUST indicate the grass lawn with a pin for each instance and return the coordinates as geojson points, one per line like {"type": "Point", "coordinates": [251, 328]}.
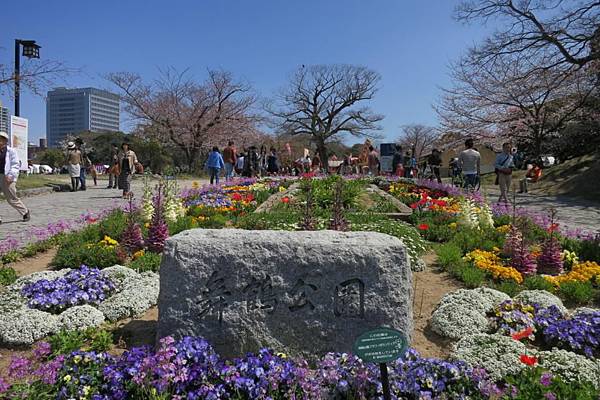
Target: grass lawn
{"type": "Point", "coordinates": [39, 180]}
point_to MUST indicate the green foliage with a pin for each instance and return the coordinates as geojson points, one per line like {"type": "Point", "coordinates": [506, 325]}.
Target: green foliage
{"type": "Point", "coordinates": [7, 276]}
{"type": "Point", "coordinates": [261, 196]}
{"type": "Point", "coordinates": [471, 276]}
{"type": "Point", "coordinates": [52, 157]}
{"type": "Point", "coordinates": [536, 383]}
{"type": "Point", "coordinates": [75, 251]}
{"type": "Point", "coordinates": [586, 250]}
{"type": "Point", "coordinates": [470, 239]}
{"type": "Point", "coordinates": [439, 229]}
{"type": "Point", "coordinates": [502, 220]}
{"type": "Point", "coordinates": [91, 339]}
{"type": "Point", "coordinates": [537, 282]}
{"type": "Point", "coordinates": [449, 255]}
{"type": "Point", "coordinates": [33, 248]}
{"type": "Point", "coordinates": [181, 224]}
{"type": "Point", "coordinates": [147, 262]}
{"type": "Point", "coordinates": [509, 287]}
{"type": "Point", "coordinates": [282, 220]}
{"type": "Point", "coordinates": [214, 222]}
{"type": "Point", "coordinates": [577, 293]}
{"type": "Point", "coordinates": [113, 225]}
{"type": "Point", "coordinates": [10, 257]}
{"type": "Point", "coordinates": [323, 192]}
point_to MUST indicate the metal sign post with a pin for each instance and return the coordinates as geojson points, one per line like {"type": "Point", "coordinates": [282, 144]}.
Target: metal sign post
{"type": "Point", "coordinates": [381, 346]}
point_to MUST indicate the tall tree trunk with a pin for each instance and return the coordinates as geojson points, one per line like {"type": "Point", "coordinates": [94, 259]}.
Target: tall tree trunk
{"type": "Point", "coordinates": [322, 150]}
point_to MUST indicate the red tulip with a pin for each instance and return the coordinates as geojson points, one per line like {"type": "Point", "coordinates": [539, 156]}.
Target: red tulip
{"type": "Point", "coordinates": [423, 227]}
{"type": "Point", "coordinates": [525, 333]}
{"type": "Point", "coordinates": [285, 200]}
{"type": "Point", "coordinates": [528, 360]}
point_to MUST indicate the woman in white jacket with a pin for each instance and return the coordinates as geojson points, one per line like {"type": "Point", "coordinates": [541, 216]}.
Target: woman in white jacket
{"type": "Point", "coordinates": [9, 172]}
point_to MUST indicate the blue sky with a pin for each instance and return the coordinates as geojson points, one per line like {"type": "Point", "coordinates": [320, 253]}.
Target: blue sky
{"type": "Point", "coordinates": [409, 42]}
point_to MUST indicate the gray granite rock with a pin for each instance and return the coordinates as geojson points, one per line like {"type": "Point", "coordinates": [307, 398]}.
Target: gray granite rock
{"type": "Point", "coordinates": [302, 293]}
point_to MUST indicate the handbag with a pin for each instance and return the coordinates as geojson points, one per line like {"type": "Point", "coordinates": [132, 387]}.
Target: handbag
{"type": "Point", "coordinates": [115, 170]}
{"type": "Point", "coordinates": [139, 168]}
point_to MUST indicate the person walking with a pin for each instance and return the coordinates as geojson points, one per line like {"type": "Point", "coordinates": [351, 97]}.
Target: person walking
{"type": "Point", "coordinates": [215, 163]}
{"type": "Point", "coordinates": [85, 162]}
{"type": "Point", "coordinates": [113, 169]}
{"type": "Point", "coordinates": [469, 160]}
{"type": "Point", "coordinates": [74, 165]}
{"type": "Point", "coordinates": [239, 164]}
{"type": "Point", "coordinates": [272, 162]}
{"type": "Point", "coordinates": [373, 161]}
{"type": "Point", "coordinates": [503, 167]}
{"type": "Point", "coordinates": [127, 161]}
{"type": "Point", "coordinates": [435, 163]}
{"type": "Point", "coordinates": [407, 165]}
{"type": "Point", "coordinates": [9, 173]}
{"type": "Point", "coordinates": [229, 160]}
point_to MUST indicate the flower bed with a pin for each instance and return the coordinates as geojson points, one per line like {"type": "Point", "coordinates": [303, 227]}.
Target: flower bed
{"type": "Point", "coordinates": [534, 322]}
{"type": "Point", "coordinates": [46, 302]}
{"type": "Point", "coordinates": [191, 369]}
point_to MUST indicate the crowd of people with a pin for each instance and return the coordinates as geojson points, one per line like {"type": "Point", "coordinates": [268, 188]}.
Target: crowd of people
{"type": "Point", "coordinates": [252, 162]}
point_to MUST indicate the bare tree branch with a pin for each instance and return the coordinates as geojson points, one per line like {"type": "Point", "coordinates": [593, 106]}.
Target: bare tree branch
{"type": "Point", "coordinates": [322, 100]}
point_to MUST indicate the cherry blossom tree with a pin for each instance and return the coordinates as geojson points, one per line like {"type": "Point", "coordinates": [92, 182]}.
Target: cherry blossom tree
{"type": "Point", "coordinates": [189, 115]}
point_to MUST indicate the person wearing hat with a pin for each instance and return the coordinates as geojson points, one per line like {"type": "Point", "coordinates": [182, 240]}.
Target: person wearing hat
{"type": "Point", "coordinates": [127, 163]}
{"type": "Point", "coordinates": [73, 165]}
{"type": "Point", "coordinates": [9, 172]}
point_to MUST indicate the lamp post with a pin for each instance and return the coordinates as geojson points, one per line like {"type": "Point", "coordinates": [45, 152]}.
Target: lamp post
{"type": "Point", "coordinates": [30, 50]}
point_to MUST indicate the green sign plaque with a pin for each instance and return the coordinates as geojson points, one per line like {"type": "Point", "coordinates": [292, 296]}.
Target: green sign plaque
{"type": "Point", "coordinates": [380, 345]}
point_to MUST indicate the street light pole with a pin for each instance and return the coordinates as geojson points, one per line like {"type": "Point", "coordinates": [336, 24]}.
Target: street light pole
{"type": "Point", "coordinates": [17, 76]}
{"type": "Point", "coordinates": [30, 50]}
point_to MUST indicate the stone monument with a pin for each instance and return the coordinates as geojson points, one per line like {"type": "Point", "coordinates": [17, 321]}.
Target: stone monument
{"type": "Point", "coordinates": [302, 293]}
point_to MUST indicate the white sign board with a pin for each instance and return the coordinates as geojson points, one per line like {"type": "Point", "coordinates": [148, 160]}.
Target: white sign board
{"type": "Point", "coordinates": [18, 138]}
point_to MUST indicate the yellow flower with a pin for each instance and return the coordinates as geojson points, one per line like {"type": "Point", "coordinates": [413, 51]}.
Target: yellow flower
{"type": "Point", "coordinates": [281, 355]}
{"type": "Point", "coordinates": [489, 261]}
{"type": "Point", "coordinates": [195, 185]}
{"type": "Point", "coordinates": [138, 254]}
{"type": "Point", "coordinates": [147, 224]}
{"type": "Point", "coordinates": [76, 359]}
{"type": "Point", "coordinates": [453, 225]}
{"type": "Point", "coordinates": [282, 188]}
{"type": "Point", "coordinates": [503, 229]}
{"type": "Point", "coordinates": [86, 390]}
{"type": "Point", "coordinates": [581, 272]}
{"type": "Point", "coordinates": [67, 378]}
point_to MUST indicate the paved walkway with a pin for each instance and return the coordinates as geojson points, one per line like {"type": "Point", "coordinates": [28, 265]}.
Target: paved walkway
{"type": "Point", "coordinates": [571, 213]}
{"type": "Point", "coordinates": [53, 207]}
{"type": "Point", "coordinates": [67, 206]}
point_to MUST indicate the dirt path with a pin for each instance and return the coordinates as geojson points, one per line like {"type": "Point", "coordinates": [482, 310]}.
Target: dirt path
{"type": "Point", "coordinates": [37, 263]}
{"type": "Point", "coordinates": [430, 286]}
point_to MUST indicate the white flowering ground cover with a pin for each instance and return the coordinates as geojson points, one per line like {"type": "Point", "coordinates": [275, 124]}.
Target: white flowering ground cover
{"type": "Point", "coordinates": [463, 315]}
{"type": "Point", "coordinates": [21, 325]}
